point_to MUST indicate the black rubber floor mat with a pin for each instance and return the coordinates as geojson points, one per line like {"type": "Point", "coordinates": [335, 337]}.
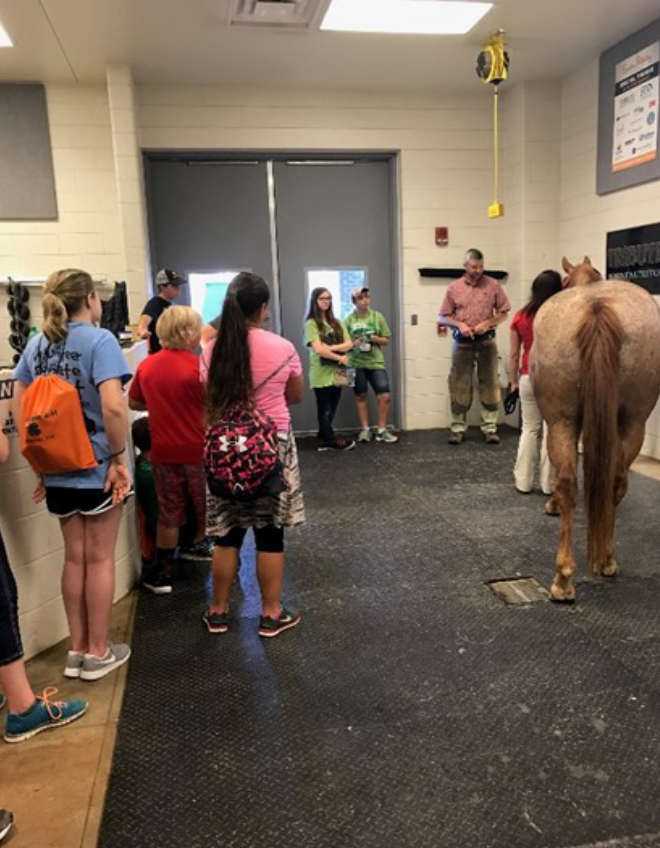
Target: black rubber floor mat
{"type": "Point", "coordinates": [411, 708]}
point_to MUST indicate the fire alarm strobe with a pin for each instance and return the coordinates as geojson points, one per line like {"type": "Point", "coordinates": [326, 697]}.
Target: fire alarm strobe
{"type": "Point", "coordinates": [441, 236]}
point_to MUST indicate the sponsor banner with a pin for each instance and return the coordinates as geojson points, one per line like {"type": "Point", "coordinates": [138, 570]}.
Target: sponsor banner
{"type": "Point", "coordinates": [636, 109]}
{"type": "Point", "coordinates": [634, 255]}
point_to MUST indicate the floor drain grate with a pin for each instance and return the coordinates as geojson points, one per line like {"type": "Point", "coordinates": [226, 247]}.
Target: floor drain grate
{"type": "Point", "coordinates": [519, 590]}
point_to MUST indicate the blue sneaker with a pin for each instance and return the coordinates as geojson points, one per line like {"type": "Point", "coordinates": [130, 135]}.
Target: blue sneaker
{"type": "Point", "coordinates": [44, 714]}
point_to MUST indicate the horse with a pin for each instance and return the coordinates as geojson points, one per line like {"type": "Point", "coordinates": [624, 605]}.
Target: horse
{"type": "Point", "coordinates": [595, 368]}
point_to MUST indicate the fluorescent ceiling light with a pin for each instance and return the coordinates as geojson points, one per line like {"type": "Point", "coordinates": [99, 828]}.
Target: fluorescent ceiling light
{"type": "Point", "coordinates": [5, 40]}
{"type": "Point", "coordinates": [419, 17]}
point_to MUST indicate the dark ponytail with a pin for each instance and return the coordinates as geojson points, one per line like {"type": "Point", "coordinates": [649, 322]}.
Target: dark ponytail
{"type": "Point", "coordinates": [230, 373]}
{"type": "Point", "coordinates": [545, 285]}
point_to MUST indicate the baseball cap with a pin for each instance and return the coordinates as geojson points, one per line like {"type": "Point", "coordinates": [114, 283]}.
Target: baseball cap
{"type": "Point", "coordinates": [358, 291]}
{"type": "Point", "coordinates": [167, 277]}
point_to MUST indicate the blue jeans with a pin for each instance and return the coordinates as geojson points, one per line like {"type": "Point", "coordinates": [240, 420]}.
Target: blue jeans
{"type": "Point", "coordinates": [327, 401]}
{"type": "Point", "coordinates": [11, 648]}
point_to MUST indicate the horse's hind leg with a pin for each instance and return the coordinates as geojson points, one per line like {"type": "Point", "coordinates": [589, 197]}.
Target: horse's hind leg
{"type": "Point", "coordinates": [631, 439]}
{"type": "Point", "coordinates": [562, 449]}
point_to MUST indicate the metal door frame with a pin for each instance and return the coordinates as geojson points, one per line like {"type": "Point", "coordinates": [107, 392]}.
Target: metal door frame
{"type": "Point", "coordinates": [302, 158]}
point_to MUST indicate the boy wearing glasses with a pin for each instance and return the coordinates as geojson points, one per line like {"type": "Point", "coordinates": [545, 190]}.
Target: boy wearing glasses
{"type": "Point", "coordinates": [369, 332]}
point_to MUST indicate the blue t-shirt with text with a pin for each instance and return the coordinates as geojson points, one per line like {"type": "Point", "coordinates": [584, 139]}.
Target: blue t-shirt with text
{"type": "Point", "coordinates": [86, 358]}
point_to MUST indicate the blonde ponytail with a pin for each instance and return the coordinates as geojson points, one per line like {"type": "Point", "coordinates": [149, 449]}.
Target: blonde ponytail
{"type": "Point", "coordinates": [64, 295]}
{"type": "Point", "coordinates": [55, 318]}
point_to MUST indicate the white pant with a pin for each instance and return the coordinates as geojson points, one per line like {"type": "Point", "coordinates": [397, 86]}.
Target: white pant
{"type": "Point", "coordinates": [523, 472]}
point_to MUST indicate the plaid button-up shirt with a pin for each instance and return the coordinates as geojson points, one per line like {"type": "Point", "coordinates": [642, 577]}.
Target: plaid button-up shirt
{"type": "Point", "coordinates": [471, 303]}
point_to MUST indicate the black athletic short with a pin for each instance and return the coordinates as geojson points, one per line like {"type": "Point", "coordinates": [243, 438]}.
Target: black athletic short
{"type": "Point", "coordinates": [64, 501]}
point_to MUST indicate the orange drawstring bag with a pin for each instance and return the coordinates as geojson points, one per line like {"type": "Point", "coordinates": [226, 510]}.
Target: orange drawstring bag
{"type": "Point", "coordinates": [54, 438]}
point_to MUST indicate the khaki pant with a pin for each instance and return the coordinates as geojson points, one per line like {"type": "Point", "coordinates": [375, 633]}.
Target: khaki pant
{"type": "Point", "coordinates": [464, 357]}
{"type": "Point", "coordinates": [523, 472]}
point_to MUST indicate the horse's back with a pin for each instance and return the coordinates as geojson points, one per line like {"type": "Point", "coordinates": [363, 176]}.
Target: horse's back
{"type": "Point", "coordinates": [556, 358]}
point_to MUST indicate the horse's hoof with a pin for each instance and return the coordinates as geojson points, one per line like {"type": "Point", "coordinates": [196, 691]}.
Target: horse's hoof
{"type": "Point", "coordinates": [551, 507]}
{"type": "Point", "coordinates": [562, 596]}
{"type": "Point", "coordinates": [610, 569]}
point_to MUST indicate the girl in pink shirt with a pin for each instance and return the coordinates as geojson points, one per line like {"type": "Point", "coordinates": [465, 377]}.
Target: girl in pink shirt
{"type": "Point", "coordinates": [546, 284]}
{"type": "Point", "coordinates": [244, 356]}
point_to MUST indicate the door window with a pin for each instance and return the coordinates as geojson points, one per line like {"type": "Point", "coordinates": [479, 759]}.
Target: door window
{"type": "Point", "coordinates": [208, 291]}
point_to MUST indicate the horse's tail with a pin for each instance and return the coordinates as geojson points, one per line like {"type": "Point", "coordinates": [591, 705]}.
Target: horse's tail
{"type": "Point", "coordinates": [599, 339]}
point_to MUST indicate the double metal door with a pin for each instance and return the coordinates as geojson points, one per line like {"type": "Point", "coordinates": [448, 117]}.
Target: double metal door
{"type": "Point", "coordinates": [297, 224]}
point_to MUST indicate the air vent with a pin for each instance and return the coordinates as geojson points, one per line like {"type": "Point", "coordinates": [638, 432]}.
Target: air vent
{"type": "Point", "coordinates": [281, 14]}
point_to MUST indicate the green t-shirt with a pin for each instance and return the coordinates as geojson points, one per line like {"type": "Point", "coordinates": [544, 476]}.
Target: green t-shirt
{"type": "Point", "coordinates": [372, 324]}
{"type": "Point", "coordinates": [321, 371]}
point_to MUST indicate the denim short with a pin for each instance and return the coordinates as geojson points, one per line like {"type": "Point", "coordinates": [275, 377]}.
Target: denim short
{"type": "Point", "coordinates": [375, 377]}
{"type": "Point", "coordinates": [64, 501]}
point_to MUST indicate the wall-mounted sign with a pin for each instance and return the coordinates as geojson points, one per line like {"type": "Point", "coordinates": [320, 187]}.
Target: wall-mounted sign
{"type": "Point", "coordinates": [634, 255]}
{"type": "Point", "coordinates": [636, 109]}
{"type": "Point", "coordinates": [628, 99]}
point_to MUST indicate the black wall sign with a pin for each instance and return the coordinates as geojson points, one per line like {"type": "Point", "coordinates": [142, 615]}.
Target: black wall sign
{"type": "Point", "coordinates": [635, 255]}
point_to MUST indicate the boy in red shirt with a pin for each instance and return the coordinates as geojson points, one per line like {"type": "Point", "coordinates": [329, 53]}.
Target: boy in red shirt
{"type": "Point", "coordinates": [168, 386]}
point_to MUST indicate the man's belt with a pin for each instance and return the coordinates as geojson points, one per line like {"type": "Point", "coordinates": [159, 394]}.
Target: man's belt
{"type": "Point", "coordinates": [489, 334]}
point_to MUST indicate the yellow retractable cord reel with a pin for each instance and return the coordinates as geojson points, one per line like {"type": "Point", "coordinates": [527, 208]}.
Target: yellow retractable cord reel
{"type": "Point", "coordinates": [492, 69]}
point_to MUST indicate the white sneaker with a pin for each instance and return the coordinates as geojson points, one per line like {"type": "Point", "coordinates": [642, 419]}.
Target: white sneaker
{"type": "Point", "coordinates": [365, 435]}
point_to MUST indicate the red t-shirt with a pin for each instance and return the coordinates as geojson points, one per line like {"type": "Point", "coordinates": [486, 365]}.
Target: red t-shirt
{"type": "Point", "coordinates": [168, 383]}
{"type": "Point", "coordinates": [523, 324]}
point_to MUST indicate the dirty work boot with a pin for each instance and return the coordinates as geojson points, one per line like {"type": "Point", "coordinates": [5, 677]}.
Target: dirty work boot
{"type": "Point", "coordinates": [455, 438]}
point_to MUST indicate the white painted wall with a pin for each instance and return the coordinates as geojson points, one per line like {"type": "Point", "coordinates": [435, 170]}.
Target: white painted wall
{"type": "Point", "coordinates": [585, 218]}
{"type": "Point", "coordinates": [445, 169]}
{"type": "Point", "coordinates": [87, 232]}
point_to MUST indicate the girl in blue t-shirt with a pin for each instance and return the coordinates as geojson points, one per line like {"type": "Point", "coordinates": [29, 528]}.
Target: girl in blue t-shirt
{"type": "Point", "coordinates": [89, 502]}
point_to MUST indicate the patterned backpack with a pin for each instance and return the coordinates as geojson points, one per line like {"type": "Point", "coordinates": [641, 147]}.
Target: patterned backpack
{"type": "Point", "coordinates": [241, 452]}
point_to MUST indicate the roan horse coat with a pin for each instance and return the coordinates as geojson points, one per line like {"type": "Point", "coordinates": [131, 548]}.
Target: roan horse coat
{"type": "Point", "coordinates": [595, 368]}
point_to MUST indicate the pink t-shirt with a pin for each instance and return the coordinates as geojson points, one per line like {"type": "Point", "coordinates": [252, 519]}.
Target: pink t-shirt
{"type": "Point", "coordinates": [267, 351]}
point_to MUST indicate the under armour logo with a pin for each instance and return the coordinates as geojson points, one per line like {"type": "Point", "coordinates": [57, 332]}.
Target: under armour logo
{"type": "Point", "coordinates": [239, 443]}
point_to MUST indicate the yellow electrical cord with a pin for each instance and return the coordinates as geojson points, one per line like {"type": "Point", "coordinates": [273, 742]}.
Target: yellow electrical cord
{"type": "Point", "coordinates": [496, 209]}
{"type": "Point", "coordinates": [496, 150]}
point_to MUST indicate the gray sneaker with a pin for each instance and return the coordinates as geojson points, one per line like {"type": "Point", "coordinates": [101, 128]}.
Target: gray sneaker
{"type": "Point", "coordinates": [74, 664]}
{"type": "Point", "coordinates": [96, 667]}
{"type": "Point", "coordinates": [3, 700]}
{"type": "Point", "coordinates": [386, 436]}
{"type": "Point", "coordinates": [364, 435]}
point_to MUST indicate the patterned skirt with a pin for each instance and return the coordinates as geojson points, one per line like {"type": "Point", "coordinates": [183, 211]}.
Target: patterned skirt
{"type": "Point", "coordinates": [283, 510]}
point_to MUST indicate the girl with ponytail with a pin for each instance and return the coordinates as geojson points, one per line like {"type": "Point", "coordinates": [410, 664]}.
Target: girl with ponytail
{"type": "Point", "coordinates": [545, 285]}
{"type": "Point", "coordinates": [87, 502]}
{"type": "Point", "coordinates": [251, 365]}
